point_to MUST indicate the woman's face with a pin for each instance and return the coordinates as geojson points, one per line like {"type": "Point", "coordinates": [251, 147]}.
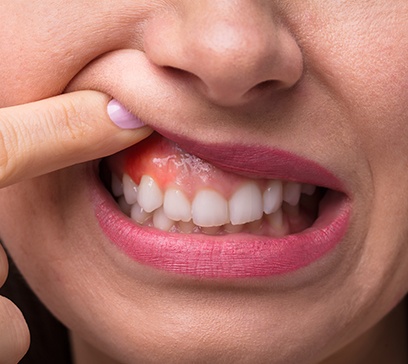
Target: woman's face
{"type": "Point", "coordinates": [316, 87]}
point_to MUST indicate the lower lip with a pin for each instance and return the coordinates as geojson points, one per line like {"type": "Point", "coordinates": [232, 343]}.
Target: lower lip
{"type": "Point", "coordinates": [228, 256]}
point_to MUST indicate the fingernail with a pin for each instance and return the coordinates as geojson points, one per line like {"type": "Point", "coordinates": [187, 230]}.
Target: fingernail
{"type": "Point", "coordinates": [122, 117]}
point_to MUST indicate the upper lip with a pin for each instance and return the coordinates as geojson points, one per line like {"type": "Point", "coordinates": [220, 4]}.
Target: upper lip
{"type": "Point", "coordinates": [251, 160]}
{"type": "Point", "coordinates": [257, 161]}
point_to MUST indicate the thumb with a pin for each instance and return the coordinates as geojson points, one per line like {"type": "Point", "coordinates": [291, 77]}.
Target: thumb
{"type": "Point", "coordinates": [47, 135]}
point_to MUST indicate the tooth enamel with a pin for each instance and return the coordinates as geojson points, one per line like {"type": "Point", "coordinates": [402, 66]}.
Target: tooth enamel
{"type": "Point", "coordinates": [291, 193]}
{"type": "Point", "coordinates": [176, 205]}
{"type": "Point", "coordinates": [246, 204]}
{"type": "Point", "coordinates": [138, 214]}
{"type": "Point", "coordinates": [213, 230]}
{"type": "Point", "coordinates": [272, 196]}
{"type": "Point", "coordinates": [129, 189]}
{"type": "Point", "coordinates": [290, 210]}
{"type": "Point", "coordinates": [233, 229]}
{"type": "Point", "coordinates": [116, 186]}
{"type": "Point", "coordinates": [124, 206]}
{"type": "Point", "coordinates": [187, 227]}
{"type": "Point", "coordinates": [308, 189]}
{"type": "Point", "coordinates": [161, 221]}
{"type": "Point", "coordinates": [211, 213]}
{"type": "Point", "coordinates": [276, 222]}
{"type": "Point", "coordinates": [209, 208]}
{"type": "Point", "coordinates": [254, 226]}
{"type": "Point", "coordinates": [149, 194]}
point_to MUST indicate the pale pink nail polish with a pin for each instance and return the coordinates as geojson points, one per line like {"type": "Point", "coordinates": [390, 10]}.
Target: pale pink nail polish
{"type": "Point", "coordinates": [122, 117]}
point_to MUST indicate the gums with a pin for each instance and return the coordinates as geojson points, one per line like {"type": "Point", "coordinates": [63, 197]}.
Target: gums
{"type": "Point", "coordinates": [235, 255]}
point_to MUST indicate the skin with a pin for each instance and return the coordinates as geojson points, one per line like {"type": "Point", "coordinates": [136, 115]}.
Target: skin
{"type": "Point", "coordinates": [325, 80]}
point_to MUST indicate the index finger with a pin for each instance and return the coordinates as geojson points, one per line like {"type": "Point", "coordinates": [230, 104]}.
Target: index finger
{"type": "Point", "coordinates": [47, 135]}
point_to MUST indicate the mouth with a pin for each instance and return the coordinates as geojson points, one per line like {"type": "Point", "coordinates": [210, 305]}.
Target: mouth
{"type": "Point", "coordinates": [216, 212]}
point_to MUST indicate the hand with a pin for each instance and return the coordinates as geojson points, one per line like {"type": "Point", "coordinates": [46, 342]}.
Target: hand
{"type": "Point", "coordinates": [14, 334]}
{"type": "Point", "coordinates": [47, 135]}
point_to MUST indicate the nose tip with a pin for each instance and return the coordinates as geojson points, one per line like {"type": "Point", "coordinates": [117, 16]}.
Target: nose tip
{"type": "Point", "coordinates": [229, 57]}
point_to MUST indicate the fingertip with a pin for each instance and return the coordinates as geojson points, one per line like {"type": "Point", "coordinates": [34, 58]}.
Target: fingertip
{"type": "Point", "coordinates": [3, 266]}
{"type": "Point", "coordinates": [122, 117]}
{"type": "Point", "coordinates": [14, 333]}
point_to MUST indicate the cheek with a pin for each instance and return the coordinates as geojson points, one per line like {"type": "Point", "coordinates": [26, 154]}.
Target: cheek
{"type": "Point", "coordinates": [55, 43]}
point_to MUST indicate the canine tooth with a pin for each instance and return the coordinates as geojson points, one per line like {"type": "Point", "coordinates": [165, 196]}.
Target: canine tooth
{"type": "Point", "coordinates": [308, 189]}
{"type": "Point", "coordinates": [124, 206]}
{"type": "Point", "coordinates": [291, 193]}
{"type": "Point", "coordinates": [116, 185]}
{"type": "Point", "coordinates": [209, 208]}
{"type": "Point", "coordinates": [176, 205]}
{"type": "Point", "coordinates": [246, 204]}
{"type": "Point", "coordinates": [149, 195]}
{"type": "Point", "coordinates": [129, 189]}
{"type": "Point", "coordinates": [161, 221]}
{"type": "Point", "coordinates": [138, 214]}
{"type": "Point", "coordinates": [272, 196]}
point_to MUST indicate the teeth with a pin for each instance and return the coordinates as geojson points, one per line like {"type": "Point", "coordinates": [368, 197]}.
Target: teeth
{"type": "Point", "coordinates": [246, 204]}
{"type": "Point", "coordinates": [187, 227]}
{"type": "Point", "coordinates": [149, 195]}
{"type": "Point", "coordinates": [291, 193]}
{"type": "Point", "coordinates": [161, 221]}
{"type": "Point", "coordinates": [209, 209]}
{"type": "Point", "coordinates": [213, 230]}
{"type": "Point", "coordinates": [116, 186]}
{"type": "Point", "coordinates": [272, 197]}
{"type": "Point", "coordinates": [308, 189]}
{"type": "Point", "coordinates": [254, 226]}
{"type": "Point", "coordinates": [291, 210]}
{"type": "Point", "coordinates": [124, 206]}
{"type": "Point", "coordinates": [209, 212]}
{"type": "Point", "coordinates": [276, 222]}
{"type": "Point", "coordinates": [176, 205]}
{"type": "Point", "coordinates": [138, 214]}
{"type": "Point", "coordinates": [233, 229]}
{"type": "Point", "coordinates": [129, 189]}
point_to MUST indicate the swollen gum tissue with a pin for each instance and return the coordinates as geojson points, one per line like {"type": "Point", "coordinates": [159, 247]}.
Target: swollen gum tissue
{"type": "Point", "coordinates": [169, 165]}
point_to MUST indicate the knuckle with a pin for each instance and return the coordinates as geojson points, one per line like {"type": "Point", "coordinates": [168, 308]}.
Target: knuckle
{"type": "Point", "coordinates": [68, 124]}
{"type": "Point", "coordinates": [9, 143]}
{"type": "Point", "coordinates": [14, 334]}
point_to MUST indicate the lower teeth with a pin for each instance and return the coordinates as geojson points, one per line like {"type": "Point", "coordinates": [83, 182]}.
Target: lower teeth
{"type": "Point", "coordinates": [271, 225]}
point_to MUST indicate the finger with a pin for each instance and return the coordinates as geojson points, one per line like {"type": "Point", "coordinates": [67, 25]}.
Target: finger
{"type": "Point", "coordinates": [14, 334]}
{"type": "Point", "coordinates": [50, 134]}
{"type": "Point", "coordinates": [3, 266]}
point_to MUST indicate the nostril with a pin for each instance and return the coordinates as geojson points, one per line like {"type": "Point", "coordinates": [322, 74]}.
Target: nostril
{"type": "Point", "coordinates": [225, 54]}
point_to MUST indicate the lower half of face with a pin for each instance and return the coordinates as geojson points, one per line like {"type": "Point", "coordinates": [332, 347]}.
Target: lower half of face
{"type": "Point", "coordinates": [179, 259]}
{"type": "Point", "coordinates": [142, 290]}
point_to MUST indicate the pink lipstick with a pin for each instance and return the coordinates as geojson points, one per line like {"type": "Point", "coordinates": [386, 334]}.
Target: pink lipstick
{"type": "Point", "coordinates": [239, 255]}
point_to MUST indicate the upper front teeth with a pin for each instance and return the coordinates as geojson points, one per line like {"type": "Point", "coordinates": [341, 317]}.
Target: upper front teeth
{"type": "Point", "coordinates": [208, 207]}
{"type": "Point", "coordinates": [176, 205]}
{"type": "Point", "coordinates": [246, 204]}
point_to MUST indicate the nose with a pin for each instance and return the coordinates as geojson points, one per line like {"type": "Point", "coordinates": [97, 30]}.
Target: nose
{"type": "Point", "coordinates": [230, 51]}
